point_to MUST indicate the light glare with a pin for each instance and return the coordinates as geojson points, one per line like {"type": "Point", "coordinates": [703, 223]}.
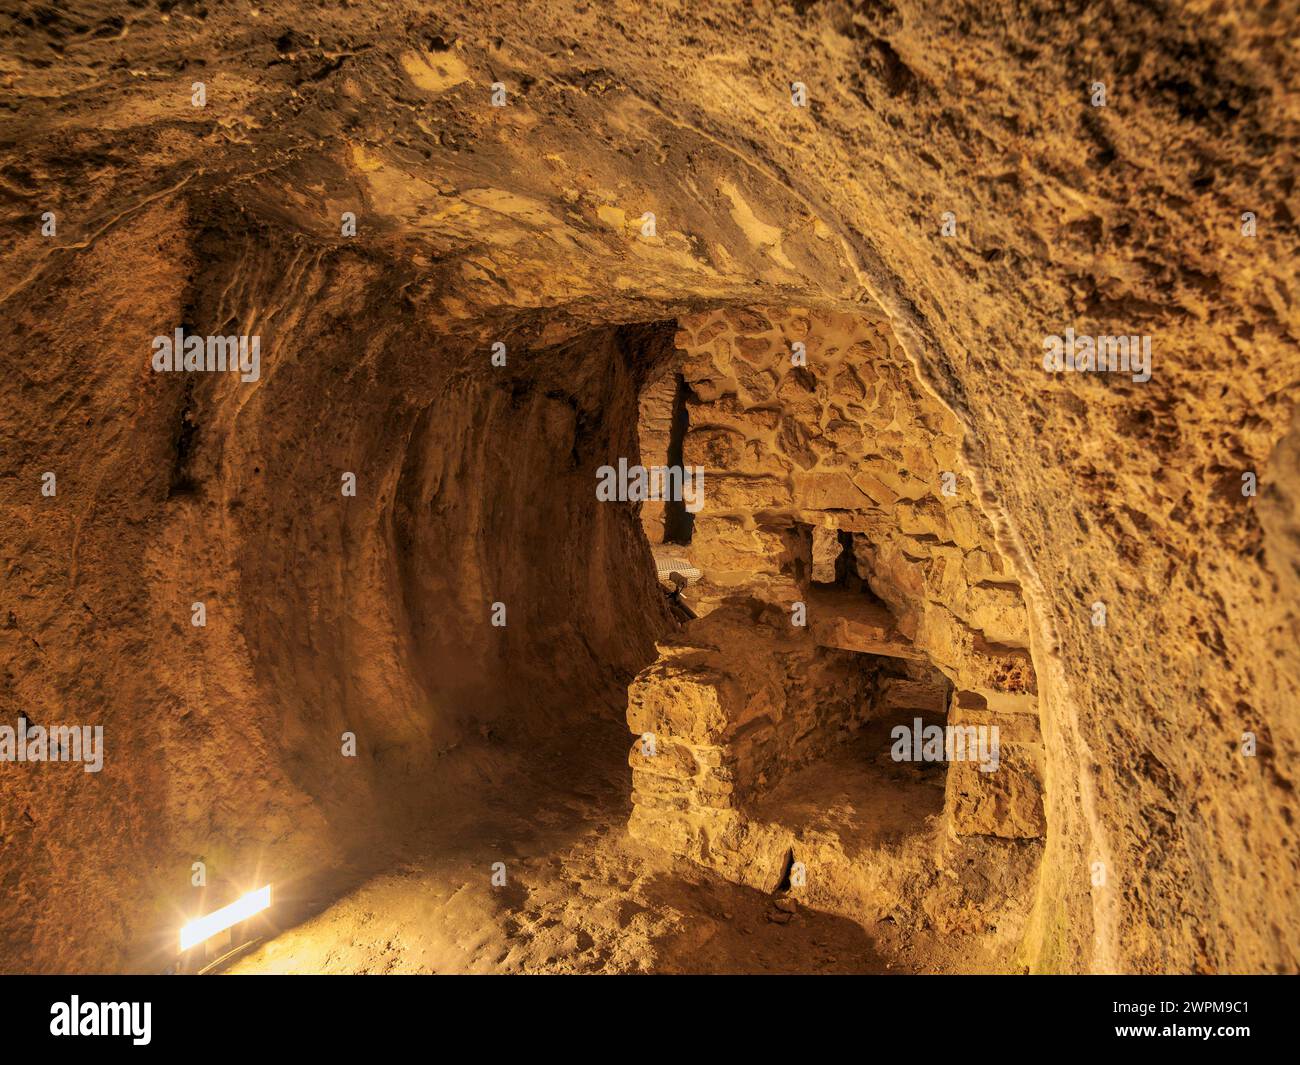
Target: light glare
{"type": "Point", "coordinates": [241, 909]}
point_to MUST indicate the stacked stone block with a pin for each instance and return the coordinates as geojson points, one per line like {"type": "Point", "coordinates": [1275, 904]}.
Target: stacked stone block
{"type": "Point", "coordinates": [800, 445]}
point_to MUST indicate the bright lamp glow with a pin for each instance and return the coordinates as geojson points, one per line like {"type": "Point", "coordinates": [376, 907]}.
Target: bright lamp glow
{"type": "Point", "coordinates": [241, 909]}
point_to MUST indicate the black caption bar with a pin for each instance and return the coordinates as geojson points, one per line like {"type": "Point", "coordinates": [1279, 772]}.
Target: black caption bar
{"type": "Point", "coordinates": [247, 1015]}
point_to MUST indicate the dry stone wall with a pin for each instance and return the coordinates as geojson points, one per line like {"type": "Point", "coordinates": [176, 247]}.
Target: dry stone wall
{"type": "Point", "coordinates": [827, 464]}
{"type": "Point", "coordinates": [721, 716]}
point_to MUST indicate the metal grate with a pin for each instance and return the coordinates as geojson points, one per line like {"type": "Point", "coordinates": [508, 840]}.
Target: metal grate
{"type": "Point", "coordinates": [666, 564]}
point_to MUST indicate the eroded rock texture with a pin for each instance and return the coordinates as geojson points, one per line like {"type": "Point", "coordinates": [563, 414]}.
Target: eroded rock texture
{"type": "Point", "coordinates": [527, 225]}
{"type": "Point", "coordinates": [844, 576]}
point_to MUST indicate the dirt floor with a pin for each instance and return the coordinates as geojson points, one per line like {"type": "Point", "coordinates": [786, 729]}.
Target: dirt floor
{"type": "Point", "coordinates": [580, 897]}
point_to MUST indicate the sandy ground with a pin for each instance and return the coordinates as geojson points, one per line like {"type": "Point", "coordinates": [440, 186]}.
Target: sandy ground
{"type": "Point", "coordinates": [579, 897]}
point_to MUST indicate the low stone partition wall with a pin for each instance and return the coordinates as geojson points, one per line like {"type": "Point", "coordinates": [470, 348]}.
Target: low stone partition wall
{"type": "Point", "coordinates": [1008, 801]}
{"type": "Point", "coordinates": [741, 699]}
{"type": "Point", "coordinates": [732, 705]}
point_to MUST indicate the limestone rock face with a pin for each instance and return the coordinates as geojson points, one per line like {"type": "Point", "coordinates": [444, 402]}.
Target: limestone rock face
{"type": "Point", "coordinates": [847, 512]}
{"type": "Point", "coordinates": [1005, 801]}
{"type": "Point", "coordinates": [649, 188]}
{"type": "Point", "coordinates": [724, 714]}
{"type": "Point", "coordinates": [860, 450]}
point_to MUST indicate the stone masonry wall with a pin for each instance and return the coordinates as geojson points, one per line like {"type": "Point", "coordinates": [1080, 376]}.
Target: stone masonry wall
{"type": "Point", "coordinates": [723, 713]}
{"type": "Point", "coordinates": [801, 445]}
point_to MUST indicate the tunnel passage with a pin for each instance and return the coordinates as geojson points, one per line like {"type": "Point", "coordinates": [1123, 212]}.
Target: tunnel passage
{"type": "Point", "coordinates": [1103, 490]}
{"type": "Point", "coordinates": [353, 519]}
{"type": "Point", "coordinates": [860, 632]}
{"type": "Point", "coordinates": [350, 522]}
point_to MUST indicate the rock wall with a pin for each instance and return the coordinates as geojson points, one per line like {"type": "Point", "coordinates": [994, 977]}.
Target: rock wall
{"type": "Point", "coordinates": [811, 426]}
{"type": "Point", "coordinates": [847, 441]}
{"type": "Point", "coordinates": [330, 609]}
{"type": "Point", "coordinates": [722, 716]}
